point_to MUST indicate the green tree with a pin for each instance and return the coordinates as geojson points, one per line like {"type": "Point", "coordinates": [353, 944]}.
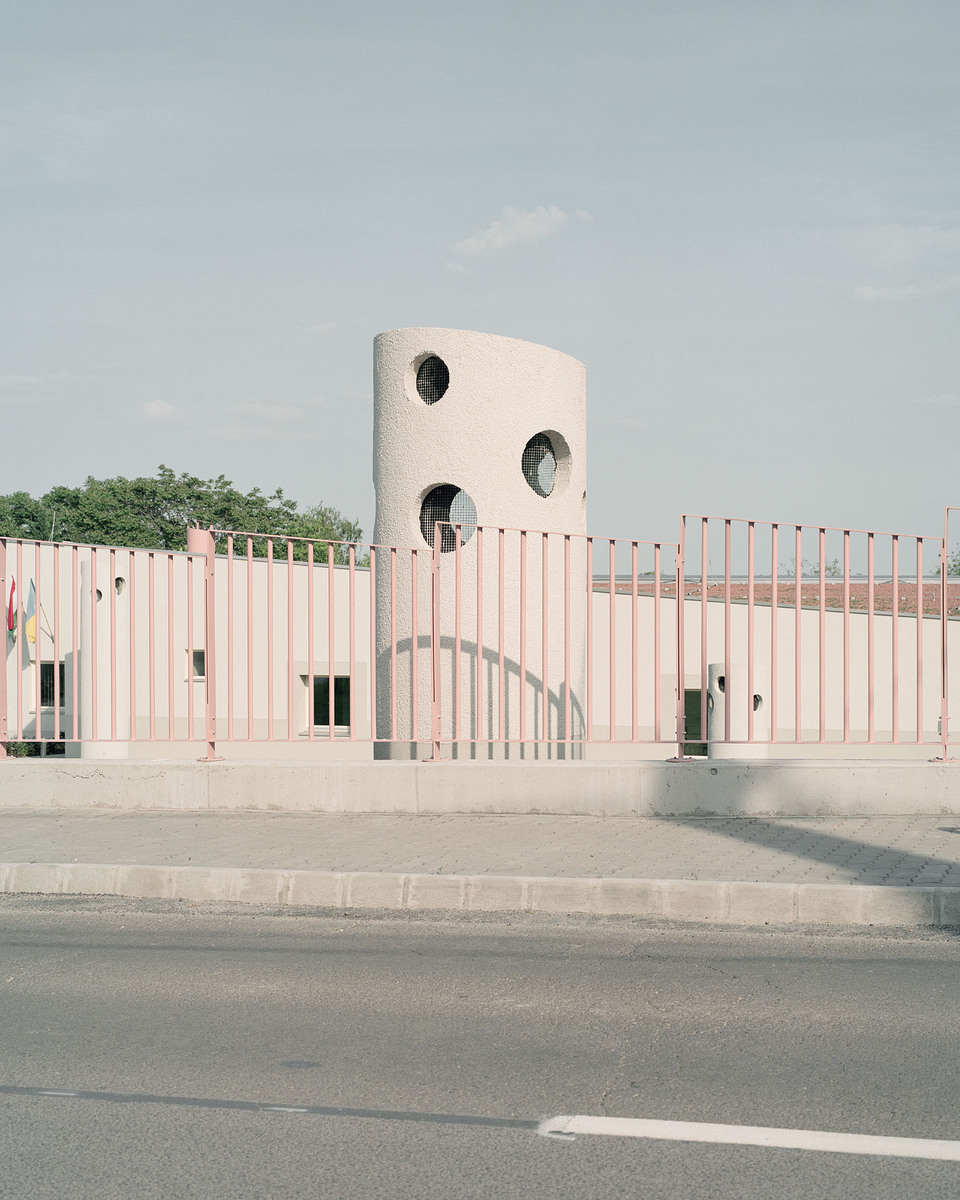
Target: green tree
{"type": "Point", "coordinates": [154, 512]}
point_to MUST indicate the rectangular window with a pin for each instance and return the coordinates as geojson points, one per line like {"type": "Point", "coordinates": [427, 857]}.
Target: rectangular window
{"type": "Point", "coordinates": [692, 715]}
{"type": "Point", "coordinates": [47, 696]}
{"type": "Point", "coordinates": [341, 700]}
{"type": "Point", "coordinates": [199, 664]}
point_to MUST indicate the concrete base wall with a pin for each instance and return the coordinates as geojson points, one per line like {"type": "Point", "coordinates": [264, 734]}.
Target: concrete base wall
{"type": "Point", "coordinates": [775, 788]}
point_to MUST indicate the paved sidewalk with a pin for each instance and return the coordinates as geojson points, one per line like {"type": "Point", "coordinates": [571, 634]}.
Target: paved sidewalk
{"type": "Point", "coordinates": [910, 866]}
{"type": "Point", "coordinates": [906, 851]}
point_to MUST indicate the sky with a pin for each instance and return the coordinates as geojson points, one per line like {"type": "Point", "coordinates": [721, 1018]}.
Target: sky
{"type": "Point", "coordinates": [744, 218]}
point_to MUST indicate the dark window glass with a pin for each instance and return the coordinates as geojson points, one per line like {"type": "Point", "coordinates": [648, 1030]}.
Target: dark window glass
{"type": "Point", "coordinates": [47, 696]}
{"type": "Point", "coordinates": [341, 700]}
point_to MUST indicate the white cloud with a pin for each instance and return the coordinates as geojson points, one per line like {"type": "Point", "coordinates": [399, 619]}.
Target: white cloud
{"type": "Point", "coordinates": [517, 228]}
{"type": "Point", "coordinates": [907, 291]}
{"type": "Point", "coordinates": [157, 410]}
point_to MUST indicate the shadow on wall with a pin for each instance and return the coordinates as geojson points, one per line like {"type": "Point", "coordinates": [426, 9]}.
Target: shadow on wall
{"type": "Point", "coordinates": [534, 744]}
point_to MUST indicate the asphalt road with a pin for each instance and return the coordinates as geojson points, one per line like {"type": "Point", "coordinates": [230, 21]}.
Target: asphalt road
{"type": "Point", "coordinates": [425, 1051]}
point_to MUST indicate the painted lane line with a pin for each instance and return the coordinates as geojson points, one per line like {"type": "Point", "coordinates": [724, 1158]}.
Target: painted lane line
{"type": "Point", "coordinates": [52, 1092]}
{"type": "Point", "coordinates": [752, 1135]}
{"type": "Point", "coordinates": [282, 1108]}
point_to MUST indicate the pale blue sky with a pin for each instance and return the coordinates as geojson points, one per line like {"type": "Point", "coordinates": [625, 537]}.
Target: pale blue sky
{"type": "Point", "coordinates": [743, 217]}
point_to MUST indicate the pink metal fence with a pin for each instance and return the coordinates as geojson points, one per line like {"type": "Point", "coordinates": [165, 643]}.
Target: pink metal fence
{"type": "Point", "coordinates": [839, 636]}
{"type": "Point", "coordinates": [486, 642]}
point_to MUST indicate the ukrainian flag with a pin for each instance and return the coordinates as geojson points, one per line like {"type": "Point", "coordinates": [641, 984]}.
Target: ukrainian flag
{"type": "Point", "coordinates": [30, 614]}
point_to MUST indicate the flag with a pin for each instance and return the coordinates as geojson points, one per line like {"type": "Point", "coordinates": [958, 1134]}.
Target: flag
{"type": "Point", "coordinates": [12, 611]}
{"type": "Point", "coordinates": [30, 614]}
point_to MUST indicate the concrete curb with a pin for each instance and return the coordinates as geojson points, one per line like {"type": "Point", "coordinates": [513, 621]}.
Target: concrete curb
{"type": "Point", "coordinates": [708, 787]}
{"type": "Point", "coordinates": [673, 899]}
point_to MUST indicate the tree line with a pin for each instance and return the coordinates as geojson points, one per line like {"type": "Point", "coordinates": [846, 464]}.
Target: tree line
{"type": "Point", "coordinates": [153, 513]}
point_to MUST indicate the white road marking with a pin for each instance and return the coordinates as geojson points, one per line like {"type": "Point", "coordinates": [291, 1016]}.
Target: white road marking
{"type": "Point", "coordinates": [751, 1135]}
{"type": "Point", "coordinates": [51, 1092]}
{"type": "Point", "coordinates": [282, 1108]}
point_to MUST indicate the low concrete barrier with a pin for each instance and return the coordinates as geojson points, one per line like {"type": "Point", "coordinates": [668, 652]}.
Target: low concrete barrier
{"type": "Point", "coordinates": [673, 899]}
{"type": "Point", "coordinates": [728, 788]}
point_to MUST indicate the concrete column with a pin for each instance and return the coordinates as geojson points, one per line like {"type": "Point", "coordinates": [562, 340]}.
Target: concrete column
{"type": "Point", "coordinates": [476, 422]}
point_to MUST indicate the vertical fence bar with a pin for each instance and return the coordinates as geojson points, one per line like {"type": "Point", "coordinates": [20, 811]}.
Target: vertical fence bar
{"type": "Point", "coordinates": [38, 650]}
{"type": "Point", "coordinates": [728, 705]}
{"type": "Point", "coordinates": [751, 531]}
{"type": "Point", "coordinates": [944, 714]}
{"type": "Point", "coordinates": [331, 650]}
{"type": "Point", "coordinates": [704, 568]}
{"type": "Point", "coordinates": [151, 643]}
{"type": "Point", "coordinates": [75, 642]}
{"type": "Point", "coordinates": [311, 648]}
{"type": "Point", "coordinates": [230, 645]}
{"type": "Point", "coordinates": [352, 581]}
{"type": "Point", "coordinates": [894, 640]}
{"type": "Point", "coordinates": [435, 641]}
{"type": "Point", "coordinates": [373, 643]}
{"type": "Point", "coordinates": [656, 643]}
{"type": "Point", "coordinates": [191, 564]}
{"type": "Point", "coordinates": [132, 607]}
{"type": "Point", "coordinates": [414, 644]}
{"type": "Point", "coordinates": [477, 726]}
{"type": "Point", "coordinates": [171, 695]}
{"type": "Point", "coordinates": [589, 639]}
{"type": "Point", "coordinates": [290, 722]}
{"type": "Point", "coordinates": [567, 722]}
{"type": "Point", "coordinates": [113, 643]}
{"type": "Point", "coordinates": [871, 644]}
{"type": "Point", "coordinates": [57, 698]}
{"type": "Point", "coordinates": [20, 602]}
{"type": "Point", "coordinates": [5, 600]}
{"type": "Point", "coordinates": [523, 636]}
{"type": "Point", "coordinates": [270, 680]}
{"type": "Point", "coordinates": [679, 647]}
{"type": "Point", "coordinates": [250, 639]}
{"type": "Point", "coordinates": [919, 639]}
{"type": "Point", "coordinates": [822, 635]}
{"type": "Point", "coordinates": [634, 648]}
{"type": "Point", "coordinates": [544, 640]}
{"type": "Point", "coordinates": [612, 568]}
{"type": "Point", "coordinates": [774, 585]}
{"type": "Point", "coordinates": [501, 697]}
{"type": "Point", "coordinates": [457, 627]}
{"type": "Point", "coordinates": [846, 635]}
{"type": "Point", "coordinates": [797, 668]}
{"type": "Point", "coordinates": [210, 645]}
{"type": "Point", "coordinates": [94, 697]}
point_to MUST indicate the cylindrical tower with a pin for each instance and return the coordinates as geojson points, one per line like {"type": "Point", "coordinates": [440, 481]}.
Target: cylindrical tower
{"type": "Point", "coordinates": [476, 438]}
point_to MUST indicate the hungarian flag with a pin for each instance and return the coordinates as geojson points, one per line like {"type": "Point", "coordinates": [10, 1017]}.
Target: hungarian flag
{"type": "Point", "coordinates": [12, 611]}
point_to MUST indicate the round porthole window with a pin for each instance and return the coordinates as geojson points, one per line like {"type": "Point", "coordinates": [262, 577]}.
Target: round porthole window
{"type": "Point", "coordinates": [539, 463]}
{"type": "Point", "coordinates": [433, 379]}
{"type": "Point", "coordinates": [446, 507]}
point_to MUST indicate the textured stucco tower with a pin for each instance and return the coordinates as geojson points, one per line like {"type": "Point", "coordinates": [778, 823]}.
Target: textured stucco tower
{"type": "Point", "coordinates": [474, 430]}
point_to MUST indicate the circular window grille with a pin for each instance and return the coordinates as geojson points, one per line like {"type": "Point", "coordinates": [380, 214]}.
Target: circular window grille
{"type": "Point", "coordinates": [433, 379]}
{"type": "Point", "coordinates": [539, 464]}
{"type": "Point", "coordinates": [449, 506]}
